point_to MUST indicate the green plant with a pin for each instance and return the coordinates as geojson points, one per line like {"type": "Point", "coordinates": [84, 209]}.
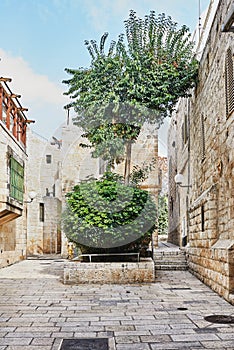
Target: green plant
{"type": "Point", "coordinates": [106, 215]}
{"type": "Point", "coordinates": [130, 83]}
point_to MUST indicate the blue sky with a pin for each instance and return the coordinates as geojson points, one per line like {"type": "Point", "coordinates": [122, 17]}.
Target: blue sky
{"type": "Point", "coordinates": [42, 37]}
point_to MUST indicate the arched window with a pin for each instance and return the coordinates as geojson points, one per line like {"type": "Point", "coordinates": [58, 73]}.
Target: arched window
{"type": "Point", "coordinates": [229, 82]}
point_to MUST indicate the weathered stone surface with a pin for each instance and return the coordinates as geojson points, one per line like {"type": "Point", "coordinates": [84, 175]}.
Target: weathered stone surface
{"type": "Point", "coordinates": [13, 225]}
{"type": "Point", "coordinates": [201, 144]}
{"type": "Point", "coordinates": [113, 273]}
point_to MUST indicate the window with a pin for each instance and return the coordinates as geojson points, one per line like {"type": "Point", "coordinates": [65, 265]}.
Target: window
{"type": "Point", "coordinates": [229, 82]}
{"type": "Point", "coordinates": [185, 130]}
{"type": "Point", "coordinates": [202, 218]}
{"type": "Point", "coordinates": [16, 180]}
{"type": "Point", "coordinates": [54, 190]}
{"type": "Point", "coordinates": [41, 212]}
{"type": "Point", "coordinates": [48, 159]}
{"type": "Point", "coordinates": [202, 140]}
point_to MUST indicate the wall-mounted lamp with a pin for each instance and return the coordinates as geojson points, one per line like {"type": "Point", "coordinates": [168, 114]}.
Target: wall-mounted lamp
{"type": "Point", "coordinates": [31, 196]}
{"type": "Point", "coordinates": [179, 179]}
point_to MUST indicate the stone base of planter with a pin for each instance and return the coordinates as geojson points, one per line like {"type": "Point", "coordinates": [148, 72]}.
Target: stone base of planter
{"type": "Point", "coordinates": [111, 273]}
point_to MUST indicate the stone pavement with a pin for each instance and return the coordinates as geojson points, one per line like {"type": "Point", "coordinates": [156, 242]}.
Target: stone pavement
{"type": "Point", "coordinates": [37, 311]}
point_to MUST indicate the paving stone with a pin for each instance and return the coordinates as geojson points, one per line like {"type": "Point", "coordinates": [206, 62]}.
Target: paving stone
{"type": "Point", "coordinates": [62, 335]}
{"type": "Point", "coordinates": [226, 336]}
{"type": "Point", "coordinates": [119, 328]}
{"type": "Point", "coordinates": [155, 338]}
{"type": "Point", "coordinates": [15, 341]}
{"type": "Point", "coordinates": [193, 337]}
{"type": "Point", "coordinates": [127, 339]}
{"type": "Point", "coordinates": [219, 344]}
{"type": "Point", "coordinates": [42, 341]}
{"type": "Point", "coordinates": [85, 335]}
{"type": "Point", "coordinates": [29, 347]}
{"type": "Point", "coordinates": [134, 346]}
{"type": "Point", "coordinates": [40, 329]}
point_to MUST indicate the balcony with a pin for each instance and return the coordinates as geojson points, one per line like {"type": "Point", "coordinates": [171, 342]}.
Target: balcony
{"type": "Point", "coordinates": [12, 113]}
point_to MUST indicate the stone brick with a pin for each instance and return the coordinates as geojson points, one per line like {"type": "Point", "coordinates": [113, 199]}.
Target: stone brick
{"type": "Point", "coordinates": [206, 209]}
{"type": "Point", "coordinates": [78, 273]}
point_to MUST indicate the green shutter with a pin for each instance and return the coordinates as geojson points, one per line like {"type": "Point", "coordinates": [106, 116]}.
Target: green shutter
{"type": "Point", "coordinates": [16, 180]}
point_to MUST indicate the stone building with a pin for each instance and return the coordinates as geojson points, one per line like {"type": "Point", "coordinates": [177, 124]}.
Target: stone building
{"type": "Point", "coordinates": [55, 166]}
{"type": "Point", "coordinates": [163, 175]}
{"type": "Point", "coordinates": [13, 163]}
{"type": "Point", "coordinates": [44, 177]}
{"type": "Point", "coordinates": [201, 150]}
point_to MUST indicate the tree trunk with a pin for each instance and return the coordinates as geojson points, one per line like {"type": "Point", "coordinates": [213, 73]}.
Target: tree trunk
{"type": "Point", "coordinates": [127, 162]}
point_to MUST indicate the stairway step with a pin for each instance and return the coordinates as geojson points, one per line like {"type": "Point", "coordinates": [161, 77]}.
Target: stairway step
{"type": "Point", "coordinates": [170, 263]}
{"type": "Point", "coordinates": [169, 254]}
{"type": "Point", "coordinates": [171, 267]}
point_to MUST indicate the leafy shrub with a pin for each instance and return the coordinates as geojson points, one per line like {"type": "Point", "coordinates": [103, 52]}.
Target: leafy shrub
{"type": "Point", "coordinates": [107, 216]}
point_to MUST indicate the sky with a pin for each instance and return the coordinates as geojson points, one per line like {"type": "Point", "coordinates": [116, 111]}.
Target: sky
{"type": "Point", "coordinates": [40, 38]}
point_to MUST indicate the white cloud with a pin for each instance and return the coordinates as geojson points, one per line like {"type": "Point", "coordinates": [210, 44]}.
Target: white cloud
{"type": "Point", "coordinates": [43, 98]}
{"type": "Point", "coordinates": [28, 83]}
{"type": "Point", "coordinates": [100, 11]}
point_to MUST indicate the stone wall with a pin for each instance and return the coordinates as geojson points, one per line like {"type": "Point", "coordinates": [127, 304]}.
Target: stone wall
{"type": "Point", "coordinates": [173, 196]}
{"type": "Point", "coordinates": [44, 213]}
{"type": "Point", "coordinates": [112, 273]}
{"type": "Point", "coordinates": [207, 164]}
{"type": "Point", "coordinates": [12, 212]}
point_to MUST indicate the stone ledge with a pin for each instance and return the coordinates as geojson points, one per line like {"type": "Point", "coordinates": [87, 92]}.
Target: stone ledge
{"type": "Point", "coordinates": [110, 273]}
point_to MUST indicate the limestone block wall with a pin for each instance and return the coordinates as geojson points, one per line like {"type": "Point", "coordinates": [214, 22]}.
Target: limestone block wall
{"type": "Point", "coordinates": [77, 165]}
{"type": "Point", "coordinates": [13, 225]}
{"type": "Point", "coordinates": [173, 198]}
{"type": "Point", "coordinates": [52, 225]}
{"type": "Point", "coordinates": [111, 273]}
{"type": "Point", "coordinates": [211, 230]}
{"type": "Point", "coordinates": [211, 160]}
{"type": "Point", "coordinates": [144, 152]}
{"type": "Point", "coordinates": [43, 177]}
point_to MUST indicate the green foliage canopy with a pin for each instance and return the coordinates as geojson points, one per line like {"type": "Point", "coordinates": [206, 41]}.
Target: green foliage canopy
{"type": "Point", "coordinates": [132, 82]}
{"type": "Point", "coordinates": [107, 215]}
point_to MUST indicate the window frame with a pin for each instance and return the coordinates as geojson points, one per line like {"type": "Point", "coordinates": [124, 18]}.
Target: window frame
{"type": "Point", "coordinates": [16, 180]}
{"type": "Point", "coordinates": [229, 82]}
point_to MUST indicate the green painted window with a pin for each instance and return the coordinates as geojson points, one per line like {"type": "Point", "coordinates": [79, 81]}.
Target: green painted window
{"type": "Point", "coordinates": [16, 180]}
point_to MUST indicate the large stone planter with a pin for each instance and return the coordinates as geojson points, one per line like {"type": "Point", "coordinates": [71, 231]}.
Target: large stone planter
{"type": "Point", "coordinates": [109, 272]}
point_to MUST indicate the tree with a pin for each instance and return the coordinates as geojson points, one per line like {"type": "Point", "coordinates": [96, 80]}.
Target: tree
{"type": "Point", "coordinates": [133, 82]}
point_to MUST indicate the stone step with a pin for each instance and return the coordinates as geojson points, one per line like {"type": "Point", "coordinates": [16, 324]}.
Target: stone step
{"type": "Point", "coordinates": [171, 267]}
{"type": "Point", "coordinates": [179, 253]}
{"type": "Point", "coordinates": [170, 260]}
{"type": "Point", "coordinates": [161, 257]}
